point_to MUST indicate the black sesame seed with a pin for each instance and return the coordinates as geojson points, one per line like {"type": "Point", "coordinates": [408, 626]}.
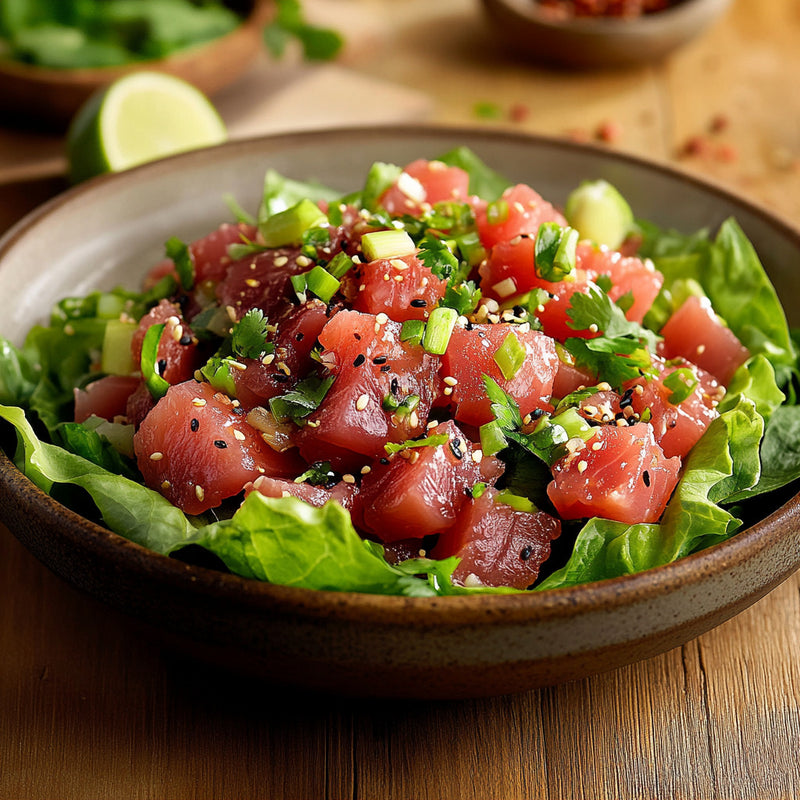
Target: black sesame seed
{"type": "Point", "coordinates": [359, 360]}
{"type": "Point", "coordinates": [162, 365]}
{"type": "Point", "coordinates": [469, 326]}
{"type": "Point", "coordinates": [357, 337]}
{"type": "Point", "coordinates": [386, 368]}
{"type": "Point", "coordinates": [379, 360]}
{"type": "Point", "coordinates": [394, 386]}
{"type": "Point", "coordinates": [279, 377]}
{"type": "Point", "coordinates": [526, 552]}
{"type": "Point", "coordinates": [418, 302]}
{"type": "Point", "coordinates": [220, 444]}
{"type": "Point", "coordinates": [185, 340]}
{"type": "Point", "coordinates": [384, 460]}
{"type": "Point", "coordinates": [238, 410]}
{"type": "Point", "coordinates": [298, 337]}
{"type": "Point", "coordinates": [646, 478]}
{"type": "Point", "coordinates": [519, 311]}
{"type": "Point", "coordinates": [455, 447]}
{"type": "Point", "coordinates": [194, 424]}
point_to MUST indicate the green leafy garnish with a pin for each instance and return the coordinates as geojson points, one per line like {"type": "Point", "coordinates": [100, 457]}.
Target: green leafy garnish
{"type": "Point", "coordinates": [510, 356]}
{"type": "Point", "coordinates": [437, 256]}
{"type": "Point", "coordinates": [319, 44]}
{"type": "Point", "coordinates": [622, 352]}
{"type": "Point", "coordinates": [178, 251]}
{"type": "Point", "coordinates": [249, 335]}
{"type": "Point", "coordinates": [681, 383]}
{"type": "Point", "coordinates": [301, 401]}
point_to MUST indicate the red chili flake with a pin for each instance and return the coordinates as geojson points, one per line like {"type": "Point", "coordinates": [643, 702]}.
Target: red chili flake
{"type": "Point", "coordinates": [695, 146]}
{"type": "Point", "coordinates": [718, 123]}
{"type": "Point", "coordinates": [727, 153]}
{"type": "Point", "coordinates": [609, 132]}
{"type": "Point", "coordinates": [519, 112]}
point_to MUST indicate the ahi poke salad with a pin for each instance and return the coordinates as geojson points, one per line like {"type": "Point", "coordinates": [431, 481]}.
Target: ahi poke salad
{"type": "Point", "coordinates": [440, 383]}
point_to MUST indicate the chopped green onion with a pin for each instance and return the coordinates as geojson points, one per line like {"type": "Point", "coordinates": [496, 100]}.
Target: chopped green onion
{"type": "Point", "coordinates": [681, 383]}
{"type": "Point", "coordinates": [322, 283]}
{"type": "Point", "coordinates": [516, 501]}
{"type": "Point", "coordinates": [510, 356]}
{"type": "Point", "coordinates": [470, 247]}
{"type": "Point", "coordinates": [340, 265]}
{"type": "Point", "coordinates": [152, 377]}
{"type": "Point", "coordinates": [407, 405]}
{"type": "Point", "coordinates": [110, 305]}
{"type": "Point", "coordinates": [573, 423]}
{"type": "Point", "coordinates": [555, 251]}
{"type": "Point", "coordinates": [430, 441]}
{"type": "Point", "coordinates": [387, 244]}
{"type": "Point", "coordinates": [182, 258]}
{"type": "Point", "coordinates": [379, 178]}
{"type": "Point", "coordinates": [439, 329]}
{"type": "Point", "coordinates": [478, 489]}
{"type": "Point", "coordinates": [493, 439]}
{"type": "Point", "coordinates": [412, 331]}
{"type": "Point", "coordinates": [497, 212]}
{"type": "Point", "coordinates": [300, 285]}
{"type": "Point", "coordinates": [287, 227]}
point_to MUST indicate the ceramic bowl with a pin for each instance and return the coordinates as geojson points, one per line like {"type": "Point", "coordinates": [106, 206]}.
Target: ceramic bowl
{"type": "Point", "coordinates": [31, 95]}
{"type": "Point", "coordinates": [599, 42]}
{"type": "Point", "coordinates": [111, 229]}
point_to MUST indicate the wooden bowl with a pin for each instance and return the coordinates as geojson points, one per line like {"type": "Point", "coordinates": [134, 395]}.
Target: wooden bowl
{"type": "Point", "coordinates": [599, 42]}
{"type": "Point", "coordinates": [111, 229]}
{"type": "Point", "coordinates": [31, 95]}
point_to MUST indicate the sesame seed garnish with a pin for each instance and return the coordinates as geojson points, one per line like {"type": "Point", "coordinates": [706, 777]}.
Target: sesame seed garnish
{"type": "Point", "coordinates": [413, 456]}
{"type": "Point", "coordinates": [381, 318]}
{"type": "Point", "coordinates": [220, 444]}
{"type": "Point", "coordinates": [387, 277]}
{"type": "Point", "coordinates": [280, 261]}
{"type": "Point", "coordinates": [156, 456]}
{"type": "Point", "coordinates": [477, 455]}
{"type": "Point", "coordinates": [398, 263]}
{"type": "Point", "coordinates": [348, 478]}
{"type": "Point", "coordinates": [268, 359]}
{"type": "Point", "coordinates": [366, 469]}
{"type": "Point", "coordinates": [359, 360]}
{"type": "Point", "coordinates": [237, 365]}
{"type": "Point", "coordinates": [418, 302]}
{"type": "Point", "coordinates": [237, 434]}
{"type": "Point", "coordinates": [199, 492]}
{"type": "Point", "coordinates": [362, 402]}
{"type": "Point", "coordinates": [177, 333]}
{"type": "Point", "coordinates": [284, 493]}
{"type": "Point", "coordinates": [194, 424]}
{"type": "Point", "coordinates": [451, 381]}
{"type": "Point", "coordinates": [597, 446]}
{"type": "Point", "coordinates": [166, 485]}
{"type": "Point", "coordinates": [448, 390]}
{"type": "Point", "coordinates": [253, 283]}
{"type": "Point", "coordinates": [284, 368]}
{"type": "Point", "coordinates": [582, 466]}
{"type": "Point", "coordinates": [303, 261]}
{"type": "Point", "coordinates": [603, 387]}
{"type": "Point", "coordinates": [413, 419]}
{"type": "Point", "coordinates": [701, 348]}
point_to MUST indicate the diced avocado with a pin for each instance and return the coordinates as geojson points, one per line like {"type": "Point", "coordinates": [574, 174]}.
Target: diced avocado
{"type": "Point", "coordinates": [600, 213]}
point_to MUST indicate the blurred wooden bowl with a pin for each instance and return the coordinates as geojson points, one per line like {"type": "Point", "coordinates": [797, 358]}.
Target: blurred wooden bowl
{"type": "Point", "coordinates": [36, 96]}
{"type": "Point", "coordinates": [599, 42]}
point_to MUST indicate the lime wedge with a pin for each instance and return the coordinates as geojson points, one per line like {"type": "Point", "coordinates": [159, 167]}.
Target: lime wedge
{"type": "Point", "coordinates": [140, 117]}
{"type": "Point", "coordinates": [600, 213]}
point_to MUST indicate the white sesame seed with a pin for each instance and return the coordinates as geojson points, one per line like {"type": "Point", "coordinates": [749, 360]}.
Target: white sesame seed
{"type": "Point", "coordinates": [366, 469]}
{"type": "Point", "coordinates": [253, 283]}
{"type": "Point", "coordinates": [166, 485]}
{"type": "Point", "coordinates": [477, 456]}
{"type": "Point", "coordinates": [381, 318]}
{"type": "Point", "coordinates": [362, 402]}
{"type": "Point", "coordinates": [303, 261]}
{"type": "Point", "coordinates": [451, 381]}
{"type": "Point", "coordinates": [237, 434]}
{"type": "Point", "coordinates": [448, 390]}
{"type": "Point", "coordinates": [398, 263]}
{"type": "Point", "coordinates": [199, 492]}
{"type": "Point", "coordinates": [582, 466]}
{"type": "Point", "coordinates": [268, 359]}
{"type": "Point", "coordinates": [156, 456]}
{"type": "Point", "coordinates": [198, 401]}
{"type": "Point", "coordinates": [348, 478]}
{"type": "Point", "coordinates": [281, 261]}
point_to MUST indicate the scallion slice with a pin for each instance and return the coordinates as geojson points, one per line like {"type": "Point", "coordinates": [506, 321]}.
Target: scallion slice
{"type": "Point", "coordinates": [555, 251]}
{"type": "Point", "coordinates": [510, 356]}
{"type": "Point", "coordinates": [439, 329]}
{"type": "Point", "coordinates": [322, 283]}
{"type": "Point", "coordinates": [387, 244]}
{"type": "Point", "coordinates": [412, 331]}
{"type": "Point", "coordinates": [156, 385]}
{"type": "Point", "coordinates": [492, 438]}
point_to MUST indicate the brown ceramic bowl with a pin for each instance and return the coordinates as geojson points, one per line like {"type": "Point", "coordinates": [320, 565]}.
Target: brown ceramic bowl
{"type": "Point", "coordinates": [111, 229]}
{"type": "Point", "coordinates": [39, 95]}
{"type": "Point", "coordinates": [599, 42]}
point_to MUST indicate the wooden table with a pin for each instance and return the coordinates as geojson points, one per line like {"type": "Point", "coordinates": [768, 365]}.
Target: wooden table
{"type": "Point", "coordinates": [89, 707]}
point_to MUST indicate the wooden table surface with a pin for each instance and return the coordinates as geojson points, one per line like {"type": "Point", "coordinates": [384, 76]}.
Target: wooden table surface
{"type": "Point", "coordinates": [90, 707]}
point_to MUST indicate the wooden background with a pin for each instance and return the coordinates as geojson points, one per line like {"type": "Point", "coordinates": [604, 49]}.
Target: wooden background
{"type": "Point", "coordinates": [90, 707]}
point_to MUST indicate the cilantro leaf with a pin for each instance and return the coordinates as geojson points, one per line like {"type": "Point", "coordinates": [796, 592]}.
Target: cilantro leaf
{"type": "Point", "coordinates": [249, 335]}
{"type": "Point", "coordinates": [622, 352]}
{"type": "Point", "coordinates": [319, 44]}
{"type": "Point", "coordinates": [437, 256]}
{"type": "Point", "coordinates": [301, 401]}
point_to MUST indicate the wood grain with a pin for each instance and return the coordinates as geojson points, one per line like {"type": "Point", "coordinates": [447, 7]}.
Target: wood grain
{"type": "Point", "coordinates": [91, 707]}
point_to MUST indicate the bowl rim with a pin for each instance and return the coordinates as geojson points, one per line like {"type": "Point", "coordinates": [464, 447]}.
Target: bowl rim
{"type": "Point", "coordinates": [254, 19]}
{"type": "Point", "coordinates": [476, 610]}
{"type": "Point", "coordinates": [646, 24]}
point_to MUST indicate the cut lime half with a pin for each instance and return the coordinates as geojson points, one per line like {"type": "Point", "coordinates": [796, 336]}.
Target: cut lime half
{"type": "Point", "coordinates": [138, 118]}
